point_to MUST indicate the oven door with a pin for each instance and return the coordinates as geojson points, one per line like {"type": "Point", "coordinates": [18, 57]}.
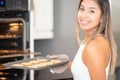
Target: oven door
{"type": "Point", "coordinates": [12, 34]}
{"type": "Point", "coordinates": [12, 42]}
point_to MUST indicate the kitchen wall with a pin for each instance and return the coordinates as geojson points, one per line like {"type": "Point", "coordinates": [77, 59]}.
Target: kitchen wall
{"type": "Point", "coordinates": [64, 41]}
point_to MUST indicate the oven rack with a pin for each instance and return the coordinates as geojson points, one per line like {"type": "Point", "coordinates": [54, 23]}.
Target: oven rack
{"type": "Point", "coordinates": [19, 54]}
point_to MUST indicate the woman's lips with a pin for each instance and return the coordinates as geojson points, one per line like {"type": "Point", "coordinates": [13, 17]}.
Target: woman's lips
{"type": "Point", "coordinates": [84, 22]}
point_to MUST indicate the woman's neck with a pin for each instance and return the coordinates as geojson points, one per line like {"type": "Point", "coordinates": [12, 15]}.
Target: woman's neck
{"type": "Point", "coordinates": [88, 34]}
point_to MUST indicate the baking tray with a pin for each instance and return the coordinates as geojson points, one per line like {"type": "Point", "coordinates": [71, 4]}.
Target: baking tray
{"type": "Point", "coordinates": [37, 65]}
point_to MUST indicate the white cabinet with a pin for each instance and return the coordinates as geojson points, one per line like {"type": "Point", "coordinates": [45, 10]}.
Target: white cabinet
{"type": "Point", "coordinates": [42, 19]}
{"type": "Point", "coordinates": [41, 23]}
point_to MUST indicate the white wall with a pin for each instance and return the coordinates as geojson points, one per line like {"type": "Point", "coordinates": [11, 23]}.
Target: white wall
{"type": "Point", "coordinates": [64, 41]}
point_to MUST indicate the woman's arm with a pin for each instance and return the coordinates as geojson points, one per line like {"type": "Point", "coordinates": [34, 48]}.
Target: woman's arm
{"type": "Point", "coordinates": [96, 57]}
{"type": "Point", "coordinates": [69, 65]}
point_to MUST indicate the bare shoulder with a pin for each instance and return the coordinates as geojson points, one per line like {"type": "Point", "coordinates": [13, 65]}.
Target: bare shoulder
{"type": "Point", "coordinates": [96, 57]}
{"type": "Point", "coordinates": [99, 43]}
{"type": "Point", "coordinates": [97, 51]}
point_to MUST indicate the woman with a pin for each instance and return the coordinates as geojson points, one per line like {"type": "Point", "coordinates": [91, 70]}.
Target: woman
{"type": "Point", "coordinates": [96, 56]}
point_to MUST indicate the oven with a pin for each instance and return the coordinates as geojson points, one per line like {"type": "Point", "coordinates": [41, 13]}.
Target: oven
{"type": "Point", "coordinates": [14, 36]}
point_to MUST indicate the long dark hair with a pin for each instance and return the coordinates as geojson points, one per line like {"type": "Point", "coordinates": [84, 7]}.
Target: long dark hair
{"type": "Point", "coordinates": [105, 28]}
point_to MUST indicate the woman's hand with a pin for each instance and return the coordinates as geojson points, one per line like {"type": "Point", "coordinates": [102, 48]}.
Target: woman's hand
{"type": "Point", "coordinates": [60, 68]}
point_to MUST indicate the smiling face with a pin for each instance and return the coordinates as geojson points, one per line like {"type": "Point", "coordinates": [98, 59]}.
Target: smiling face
{"type": "Point", "coordinates": [89, 15]}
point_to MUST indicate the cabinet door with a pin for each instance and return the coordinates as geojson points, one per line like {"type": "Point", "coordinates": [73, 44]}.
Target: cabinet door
{"type": "Point", "coordinates": [42, 19]}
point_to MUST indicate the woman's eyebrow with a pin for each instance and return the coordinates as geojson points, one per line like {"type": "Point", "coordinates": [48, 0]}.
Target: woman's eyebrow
{"type": "Point", "coordinates": [92, 8]}
{"type": "Point", "coordinates": [89, 8]}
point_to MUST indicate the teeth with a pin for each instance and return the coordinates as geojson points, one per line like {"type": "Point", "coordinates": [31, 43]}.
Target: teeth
{"type": "Point", "coordinates": [84, 22]}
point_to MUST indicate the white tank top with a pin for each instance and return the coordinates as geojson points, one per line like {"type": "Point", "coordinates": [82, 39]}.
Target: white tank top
{"type": "Point", "coordinates": [79, 70]}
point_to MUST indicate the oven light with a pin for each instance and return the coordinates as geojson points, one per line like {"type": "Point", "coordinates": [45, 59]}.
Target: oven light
{"type": "Point", "coordinates": [15, 24]}
{"type": "Point", "coordinates": [3, 78]}
{"type": "Point", "coordinates": [15, 27]}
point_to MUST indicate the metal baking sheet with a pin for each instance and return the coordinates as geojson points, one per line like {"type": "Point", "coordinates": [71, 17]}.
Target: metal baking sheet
{"type": "Point", "coordinates": [17, 64]}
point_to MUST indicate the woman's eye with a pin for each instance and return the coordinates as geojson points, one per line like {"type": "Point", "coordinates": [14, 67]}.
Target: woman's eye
{"type": "Point", "coordinates": [81, 9]}
{"type": "Point", "coordinates": [92, 11]}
